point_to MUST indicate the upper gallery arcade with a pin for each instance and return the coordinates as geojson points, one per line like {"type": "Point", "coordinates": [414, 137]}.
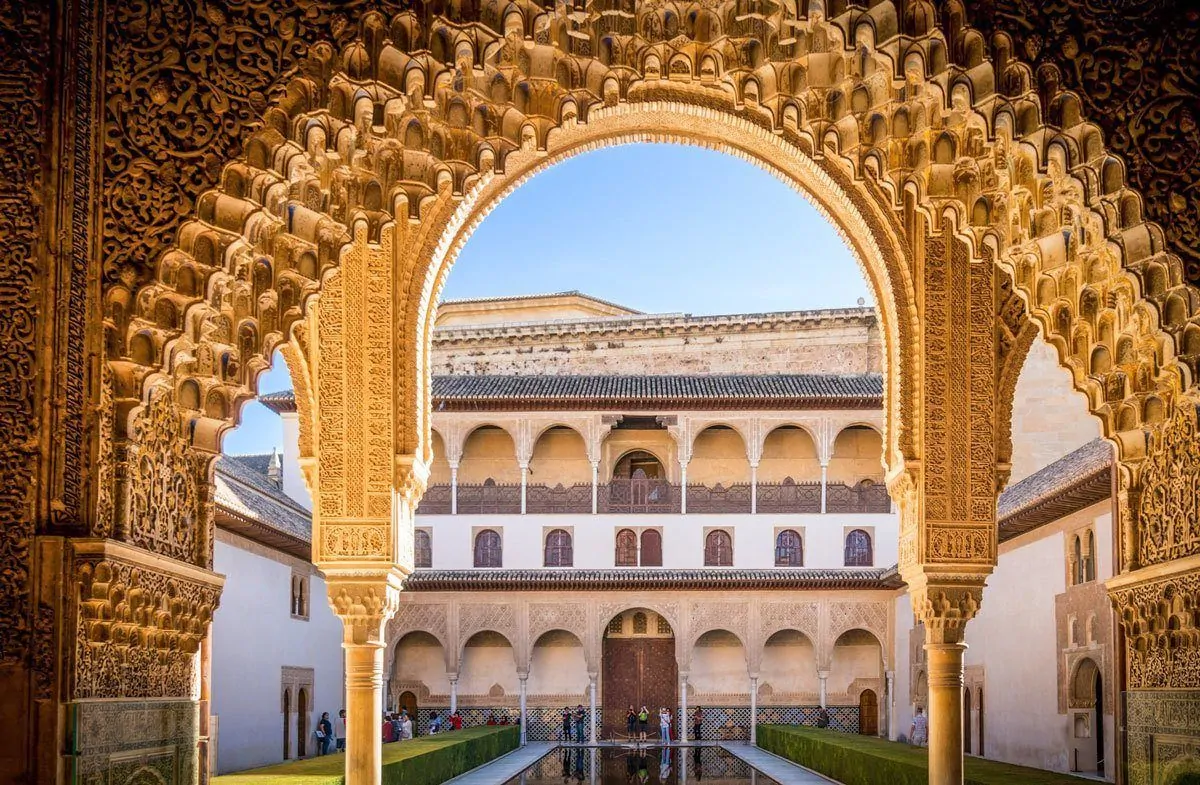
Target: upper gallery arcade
{"type": "Point", "coordinates": [191, 190]}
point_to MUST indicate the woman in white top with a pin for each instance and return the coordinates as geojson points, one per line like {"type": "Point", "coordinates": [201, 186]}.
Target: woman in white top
{"type": "Point", "coordinates": [664, 725]}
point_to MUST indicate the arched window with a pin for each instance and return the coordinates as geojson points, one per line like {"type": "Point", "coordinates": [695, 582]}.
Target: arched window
{"type": "Point", "coordinates": [558, 549]}
{"type": "Point", "coordinates": [422, 549]}
{"type": "Point", "coordinates": [627, 546]}
{"type": "Point", "coordinates": [295, 595]}
{"type": "Point", "coordinates": [789, 550]}
{"type": "Point", "coordinates": [858, 549]}
{"type": "Point", "coordinates": [718, 549]}
{"type": "Point", "coordinates": [651, 548]}
{"type": "Point", "coordinates": [489, 551]}
{"type": "Point", "coordinates": [1089, 559]}
{"type": "Point", "coordinates": [1077, 563]}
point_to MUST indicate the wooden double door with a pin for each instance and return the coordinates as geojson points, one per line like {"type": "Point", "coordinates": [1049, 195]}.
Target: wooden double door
{"type": "Point", "coordinates": [637, 672]}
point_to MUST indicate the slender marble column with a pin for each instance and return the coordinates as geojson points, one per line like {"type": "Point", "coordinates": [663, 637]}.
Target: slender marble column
{"type": "Point", "coordinates": [524, 679]}
{"type": "Point", "coordinates": [754, 710]}
{"type": "Point", "coordinates": [524, 484]}
{"type": "Point", "coordinates": [754, 489]}
{"type": "Point", "coordinates": [945, 712]}
{"type": "Point", "coordinates": [595, 487]}
{"type": "Point", "coordinates": [682, 487]}
{"type": "Point", "coordinates": [364, 707]}
{"type": "Point", "coordinates": [592, 712]}
{"type": "Point", "coordinates": [823, 676]}
{"type": "Point", "coordinates": [454, 488]}
{"type": "Point", "coordinates": [684, 720]}
{"type": "Point", "coordinates": [453, 694]}
{"type": "Point", "coordinates": [824, 482]}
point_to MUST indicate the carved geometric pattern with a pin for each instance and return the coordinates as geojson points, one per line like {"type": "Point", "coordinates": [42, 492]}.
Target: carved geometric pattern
{"type": "Point", "coordinates": [164, 508]}
{"type": "Point", "coordinates": [870, 616]}
{"type": "Point", "coordinates": [571, 617]}
{"type": "Point", "coordinates": [477, 617]}
{"type": "Point", "coordinates": [1162, 626]}
{"type": "Point", "coordinates": [776, 616]}
{"type": "Point", "coordinates": [1170, 492]}
{"type": "Point", "coordinates": [708, 616]}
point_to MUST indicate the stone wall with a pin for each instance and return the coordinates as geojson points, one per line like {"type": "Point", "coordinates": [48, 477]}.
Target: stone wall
{"type": "Point", "coordinates": [843, 341]}
{"type": "Point", "coordinates": [1049, 418]}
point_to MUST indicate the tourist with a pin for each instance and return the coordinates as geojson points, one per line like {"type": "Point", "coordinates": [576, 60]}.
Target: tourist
{"type": "Point", "coordinates": [631, 722]}
{"type": "Point", "coordinates": [389, 730]}
{"type": "Point", "coordinates": [456, 721]}
{"type": "Point", "coordinates": [324, 734]}
{"type": "Point", "coordinates": [396, 727]}
{"type": "Point", "coordinates": [491, 720]}
{"type": "Point", "coordinates": [697, 723]}
{"type": "Point", "coordinates": [435, 723]}
{"type": "Point", "coordinates": [643, 723]}
{"type": "Point", "coordinates": [822, 717]}
{"type": "Point", "coordinates": [406, 726]}
{"type": "Point", "coordinates": [664, 725]}
{"type": "Point", "coordinates": [566, 724]}
{"type": "Point", "coordinates": [580, 724]}
{"type": "Point", "coordinates": [919, 732]}
{"type": "Point", "coordinates": [339, 730]}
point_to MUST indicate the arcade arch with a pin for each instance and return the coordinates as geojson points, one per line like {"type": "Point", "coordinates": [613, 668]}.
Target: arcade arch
{"type": "Point", "coordinates": [372, 170]}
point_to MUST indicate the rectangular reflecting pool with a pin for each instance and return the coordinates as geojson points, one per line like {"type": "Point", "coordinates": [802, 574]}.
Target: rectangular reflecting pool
{"type": "Point", "coordinates": [640, 766]}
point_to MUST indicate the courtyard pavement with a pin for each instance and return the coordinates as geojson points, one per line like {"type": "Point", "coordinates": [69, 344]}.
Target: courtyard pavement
{"type": "Point", "coordinates": [506, 767]}
{"type": "Point", "coordinates": [782, 771]}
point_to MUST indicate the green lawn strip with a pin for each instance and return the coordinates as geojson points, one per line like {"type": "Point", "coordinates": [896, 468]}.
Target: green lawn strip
{"type": "Point", "coordinates": [428, 760]}
{"type": "Point", "coordinates": [866, 760]}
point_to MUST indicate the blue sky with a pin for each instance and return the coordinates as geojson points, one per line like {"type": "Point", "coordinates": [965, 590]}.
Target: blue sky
{"type": "Point", "coordinates": [656, 227]}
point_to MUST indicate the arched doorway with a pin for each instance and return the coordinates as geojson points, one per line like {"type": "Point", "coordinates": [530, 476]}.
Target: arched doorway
{"type": "Point", "coordinates": [301, 723]}
{"type": "Point", "coordinates": [408, 702]}
{"type": "Point", "coordinates": [287, 723]}
{"type": "Point", "coordinates": [638, 669]}
{"type": "Point", "coordinates": [1087, 718]}
{"type": "Point", "coordinates": [868, 713]}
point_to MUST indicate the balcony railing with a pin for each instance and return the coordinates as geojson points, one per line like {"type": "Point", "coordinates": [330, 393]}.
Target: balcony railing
{"type": "Point", "coordinates": [718, 499]}
{"type": "Point", "coordinates": [489, 499]}
{"type": "Point", "coordinates": [648, 496]}
{"type": "Point", "coordinates": [788, 497]}
{"type": "Point", "coordinates": [542, 499]}
{"type": "Point", "coordinates": [863, 497]}
{"type": "Point", "coordinates": [638, 495]}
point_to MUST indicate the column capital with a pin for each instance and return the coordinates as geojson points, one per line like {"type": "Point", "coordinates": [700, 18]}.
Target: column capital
{"type": "Point", "coordinates": [945, 603]}
{"type": "Point", "coordinates": [364, 600]}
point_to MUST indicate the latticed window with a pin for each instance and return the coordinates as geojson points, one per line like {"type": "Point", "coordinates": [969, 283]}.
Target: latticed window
{"type": "Point", "coordinates": [858, 549]}
{"type": "Point", "coordinates": [789, 549]}
{"type": "Point", "coordinates": [489, 551]}
{"type": "Point", "coordinates": [617, 625]}
{"type": "Point", "coordinates": [652, 555]}
{"type": "Point", "coordinates": [640, 625]}
{"type": "Point", "coordinates": [664, 626]}
{"type": "Point", "coordinates": [718, 549]}
{"type": "Point", "coordinates": [558, 549]}
{"type": "Point", "coordinates": [299, 602]}
{"type": "Point", "coordinates": [422, 549]}
{"type": "Point", "coordinates": [627, 548]}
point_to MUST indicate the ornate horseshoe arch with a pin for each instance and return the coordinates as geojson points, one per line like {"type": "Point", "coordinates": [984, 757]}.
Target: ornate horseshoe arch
{"type": "Point", "coordinates": [974, 204]}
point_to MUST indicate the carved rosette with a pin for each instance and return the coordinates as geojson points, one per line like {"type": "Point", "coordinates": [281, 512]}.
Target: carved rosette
{"type": "Point", "coordinates": [140, 622]}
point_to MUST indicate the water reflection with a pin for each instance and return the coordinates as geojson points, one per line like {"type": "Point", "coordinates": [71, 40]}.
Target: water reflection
{"type": "Point", "coordinates": [639, 766]}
